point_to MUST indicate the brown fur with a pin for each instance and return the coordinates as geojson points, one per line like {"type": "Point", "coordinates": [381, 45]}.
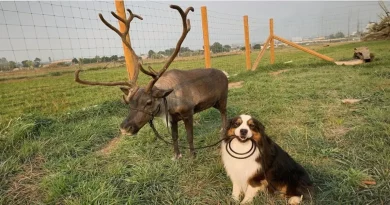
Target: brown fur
{"type": "Point", "coordinates": [187, 92]}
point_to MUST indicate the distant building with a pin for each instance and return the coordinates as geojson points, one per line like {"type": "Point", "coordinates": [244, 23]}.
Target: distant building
{"type": "Point", "coordinates": [65, 61]}
{"type": "Point", "coordinates": [296, 39]}
{"type": "Point", "coordinates": [320, 38]}
{"type": "Point", "coordinates": [121, 59]}
{"type": "Point", "coordinates": [143, 56]}
{"type": "Point", "coordinates": [369, 26]}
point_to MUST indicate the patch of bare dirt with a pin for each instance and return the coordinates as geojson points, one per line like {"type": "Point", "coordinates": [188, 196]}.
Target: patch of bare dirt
{"type": "Point", "coordinates": [279, 72]}
{"type": "Point", "coordinates": [235, 84]}
{"type": "Point", "coordinates": [338, 132]}
{"type": "Point", "coordinates": [350, 101]}
{"type": "Point", "coordinates": [25, 186]}
{"type": "Point", "coordinates": [110, 146]}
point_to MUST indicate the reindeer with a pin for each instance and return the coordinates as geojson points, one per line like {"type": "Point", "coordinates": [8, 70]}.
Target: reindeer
{"type": "Point", "coordinates": [175, 94]}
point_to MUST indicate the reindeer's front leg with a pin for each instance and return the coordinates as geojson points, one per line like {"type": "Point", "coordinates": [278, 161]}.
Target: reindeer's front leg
{"type": "Point", "coordinates": [224, 121]}
{"type": "Point", "coordinates": [188, 122]}
{"type": "Point", "coordinates": [175, 136]}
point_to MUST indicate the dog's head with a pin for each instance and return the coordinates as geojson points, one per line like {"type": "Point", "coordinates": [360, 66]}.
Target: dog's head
{"type": "Point", "coordinates": [245, 127]}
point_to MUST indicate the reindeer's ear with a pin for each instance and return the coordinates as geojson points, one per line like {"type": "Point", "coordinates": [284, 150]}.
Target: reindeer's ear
{"type": "Point", "coordinates": [158, 93]}
{"type": "Point", "coordinates": [125, 90]}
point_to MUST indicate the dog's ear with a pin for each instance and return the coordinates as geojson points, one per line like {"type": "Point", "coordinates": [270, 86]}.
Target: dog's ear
{"type": "Point", "coordinates": [259, 125]}
{"type": "Point", "coordinates": [230, 123]}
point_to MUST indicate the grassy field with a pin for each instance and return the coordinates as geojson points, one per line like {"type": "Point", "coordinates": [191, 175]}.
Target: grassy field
{"type": "Point", "coordinates": [60, 141]}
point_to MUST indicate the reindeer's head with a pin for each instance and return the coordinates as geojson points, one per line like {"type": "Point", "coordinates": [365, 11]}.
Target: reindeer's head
{"type": "Point", "coordinates": [144, 102]}
{"type": "Point", "coordinates": [143, 107]}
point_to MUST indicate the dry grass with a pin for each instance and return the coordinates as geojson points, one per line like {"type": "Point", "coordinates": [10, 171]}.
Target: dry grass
{"type": "Point", "coordinates": [75, 128]}
{"type": "Point", "coordinates": [279, 72]}
{"type": "Point", "coordinates": [110, 146]}
{"type": "Point", "coordinates": [233, 85]}
{"type": "Point", "coordinates": [25, 185]}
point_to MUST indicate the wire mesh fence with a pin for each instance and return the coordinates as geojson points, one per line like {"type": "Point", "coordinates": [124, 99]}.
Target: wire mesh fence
{"type": "Point", "coordinates": [43, 36]}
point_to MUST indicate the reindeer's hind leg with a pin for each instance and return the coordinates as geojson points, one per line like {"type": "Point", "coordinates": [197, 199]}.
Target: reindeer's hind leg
{"type": "Point", "coordinates": [188, 122]}
{"type": "Point", "coordinates": [221, 106]}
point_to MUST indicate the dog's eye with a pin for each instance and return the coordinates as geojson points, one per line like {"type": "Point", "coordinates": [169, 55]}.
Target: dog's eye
{"type": "Point", "coordinates": [252, 126]}
{"type": "Point", "coordinates": [236, 124]}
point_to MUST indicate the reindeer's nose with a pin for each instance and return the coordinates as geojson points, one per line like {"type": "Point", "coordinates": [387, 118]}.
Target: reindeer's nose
{"type": "Point", "coordinates": [123, 131]}
{"type": "Point", "coordinates": [243, 132]}
{"type": "Point", "coordinates": [126, 129]}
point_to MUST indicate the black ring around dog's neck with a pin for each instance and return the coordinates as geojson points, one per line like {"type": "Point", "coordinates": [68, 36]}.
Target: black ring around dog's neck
{"type": "Point", "coordinates": [252, 150]}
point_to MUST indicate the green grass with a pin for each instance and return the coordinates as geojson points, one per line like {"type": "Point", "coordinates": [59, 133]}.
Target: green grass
{"type": "Point", "coordinates": [52, 131]}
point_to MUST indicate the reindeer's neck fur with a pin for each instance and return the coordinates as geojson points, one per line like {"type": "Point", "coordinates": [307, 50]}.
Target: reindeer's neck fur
{"type": "Point", "coordinates": [164, 111]}
{"type": "Point", "coordinates": [191, 91]}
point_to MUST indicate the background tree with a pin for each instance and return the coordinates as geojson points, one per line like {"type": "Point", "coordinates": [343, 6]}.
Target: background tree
{"type": "Point", "coordinates": [257, 46]}
{"type": "Point", "coordinates": [3, 60]}
{"type": "Point", "coordinates": [75, 61]}
{"type": "Point", "coordinates": [185, 49]}
{"type": "Point", "coordinates": [339, 35]}
{"type": "Point", "coordinates": [105, 59]}
{"type": "Point", "coordinates": [169, 52]}
{"type": "Point", "coordinates": [25, 64]}
{"type": "Point", "coordinates": [97, 59]}
{"type": "Point", "coordinates": [216, 47]}
{"type": "Point", "coordinates": [227, 48]}
{"type": "Point", "coordinates": [114, 58]}
{"type": "Point", "coordinates": [12, 64]}
{"type": "Point", "coordinates": [30, 63]}
{"type": "Point", "coordinates": [37, 62]}
{"type": "Point", "coordinates": [4, 65]}
{"type": "Point", "coordinates": [151, 53]}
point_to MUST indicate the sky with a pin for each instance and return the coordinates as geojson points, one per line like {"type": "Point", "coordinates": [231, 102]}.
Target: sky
{"type": "Point", "coordinates": [67, 29]}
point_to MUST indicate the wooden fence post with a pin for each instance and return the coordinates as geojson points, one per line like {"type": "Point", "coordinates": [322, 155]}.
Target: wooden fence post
{"type": "Point", "coordinates": [247, 44]}
{"type": "Point", "coordinates": [120, 10]}
{"type": "Point", "coordinates": [272, 42]}
{"type": "Point", "coordinates": [206, 42]}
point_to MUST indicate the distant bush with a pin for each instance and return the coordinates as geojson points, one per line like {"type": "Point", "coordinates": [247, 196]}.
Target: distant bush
{"type": "Point", "coordinates": [63, 64]}
{"type": "Point", "coordinates": [55, 74]}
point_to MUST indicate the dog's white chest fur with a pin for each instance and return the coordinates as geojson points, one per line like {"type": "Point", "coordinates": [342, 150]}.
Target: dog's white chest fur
{"type": "Point", "coordinates": [240, 170]}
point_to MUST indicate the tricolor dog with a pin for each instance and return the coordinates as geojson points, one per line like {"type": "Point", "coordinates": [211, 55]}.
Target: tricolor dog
{"type": "Point", "coordinates": [255, 163]}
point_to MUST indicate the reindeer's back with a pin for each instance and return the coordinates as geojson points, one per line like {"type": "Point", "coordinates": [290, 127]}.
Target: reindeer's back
{"type": "Point", "coordinates": [200, 88]}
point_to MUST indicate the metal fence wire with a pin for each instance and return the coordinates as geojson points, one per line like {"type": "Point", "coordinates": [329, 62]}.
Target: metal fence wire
{"type": "Point", "coordinates": [37, 36]}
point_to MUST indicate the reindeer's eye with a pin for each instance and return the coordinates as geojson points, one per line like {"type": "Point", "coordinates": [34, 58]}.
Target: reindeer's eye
{"type": "Point", "coordinates": [149, 102]}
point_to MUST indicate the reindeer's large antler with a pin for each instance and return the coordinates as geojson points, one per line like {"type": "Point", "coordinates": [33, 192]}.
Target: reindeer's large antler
{"type": "Point", "coordinates": [127, 42]}
{"type": "Point", "coordinates": [77, 79]}
{"type": "Point", "coordinates": [186, 29]}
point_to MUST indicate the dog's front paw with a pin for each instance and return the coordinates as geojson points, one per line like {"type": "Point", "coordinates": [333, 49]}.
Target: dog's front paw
{"type": "Point", "coordinates": [236, 197]}
{"type": "Point", "coordinates": [246, 201]}
{"type": "Point", "coordinates": [236, 193]}
{"type": "Point", "coordinates": [295, 200]}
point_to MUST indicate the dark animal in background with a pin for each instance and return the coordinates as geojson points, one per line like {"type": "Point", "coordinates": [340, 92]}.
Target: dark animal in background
{"type": "Point", "coordinates": [268, 168]}
{"type": "Point", "coordinates": [175, 94]}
